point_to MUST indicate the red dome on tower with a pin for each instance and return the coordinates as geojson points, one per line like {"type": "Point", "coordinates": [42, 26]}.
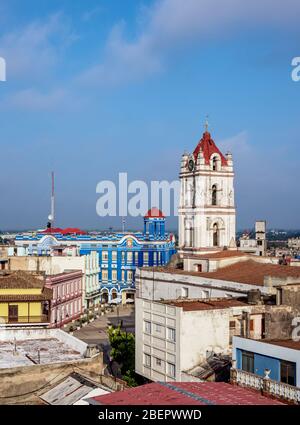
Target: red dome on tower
{"type": "Point", "coordinates": [154, 213]}
{"type": "Point", "coordinates": [208, 147]}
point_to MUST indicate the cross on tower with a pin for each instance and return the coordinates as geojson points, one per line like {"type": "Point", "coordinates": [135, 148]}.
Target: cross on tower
{"type": "Point", "coordinates": [206, 123]}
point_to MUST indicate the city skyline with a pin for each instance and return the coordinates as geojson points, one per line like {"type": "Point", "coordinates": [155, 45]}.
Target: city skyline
{"type": "Point", "coordinates": [92, 91]}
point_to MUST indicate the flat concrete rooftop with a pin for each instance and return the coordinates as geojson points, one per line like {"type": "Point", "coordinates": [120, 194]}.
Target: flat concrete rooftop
{"type": "Point", "coordinates": [38, 346]}
{"type": "Point", "coordinates": [35, 351]}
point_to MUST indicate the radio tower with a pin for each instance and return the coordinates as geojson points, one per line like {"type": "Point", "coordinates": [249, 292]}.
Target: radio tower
{"type": "Point", "coordinates": [51, 215]}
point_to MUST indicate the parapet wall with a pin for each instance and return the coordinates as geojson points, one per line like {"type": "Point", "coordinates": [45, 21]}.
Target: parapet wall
{"type": "Point", "coordinates": [21, 385]}
{"type": "Point", "coordinates": [25, 334]}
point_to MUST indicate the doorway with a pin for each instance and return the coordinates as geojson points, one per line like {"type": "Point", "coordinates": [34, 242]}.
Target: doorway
{"type": "Point", "coordinates": [13, 313]}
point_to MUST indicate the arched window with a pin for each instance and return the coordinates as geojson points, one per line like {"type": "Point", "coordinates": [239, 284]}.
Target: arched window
{"type": "Point", "coordinates": [215, 235]}
{"type": "Point", "coordinates": [215, 163]}
{"type": "Point", "coordinates": [214, 195]}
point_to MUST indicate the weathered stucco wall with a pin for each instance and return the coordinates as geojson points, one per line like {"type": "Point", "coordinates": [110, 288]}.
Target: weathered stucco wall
{"type": "Point", "coordinates": [21, 384]}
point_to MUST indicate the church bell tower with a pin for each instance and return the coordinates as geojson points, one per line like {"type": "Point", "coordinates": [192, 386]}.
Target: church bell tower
{"type": "Point", "coordinates": [207, 215]}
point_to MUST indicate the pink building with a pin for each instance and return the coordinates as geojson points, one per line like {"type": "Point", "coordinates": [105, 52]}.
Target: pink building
{"type": "Point", "coordinates": [66, 303]}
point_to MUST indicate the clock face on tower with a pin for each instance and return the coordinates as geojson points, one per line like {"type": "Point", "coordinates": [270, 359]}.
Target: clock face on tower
{"type": "Point", "coordinates": [191, 165]}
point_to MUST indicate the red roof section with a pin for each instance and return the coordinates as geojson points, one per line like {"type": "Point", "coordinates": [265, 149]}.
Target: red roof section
{"type": "Point", "coordinates": [208, 147]}
{"type": "Point", "coordinates": [185, 393]}
{"type": "Point", "coordinates": [52, 230]}
{"type": "Point", "coordinates": [67, 231]}
{"type": "Point", "coordinates": [154, 213]}
{"type": "Point", "coordinates": [72, 230]}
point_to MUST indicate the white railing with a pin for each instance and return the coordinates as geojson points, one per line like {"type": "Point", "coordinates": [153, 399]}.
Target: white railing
{"type": "Point", "coordinates": [266, 385]}
{"type": "Point", "coordinates": [284, 391]}
{"type": "Point", "coordinates": [248, 379]}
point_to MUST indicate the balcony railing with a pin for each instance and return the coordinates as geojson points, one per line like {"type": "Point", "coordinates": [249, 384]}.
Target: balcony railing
{"type": "Point", "coordinates": [266, 386]}
{"type": "Point", "coordinates": [25, 319]}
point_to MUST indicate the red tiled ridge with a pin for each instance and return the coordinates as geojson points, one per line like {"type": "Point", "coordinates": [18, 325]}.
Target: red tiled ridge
{"type": "Point", "coordinates": [208, 147]}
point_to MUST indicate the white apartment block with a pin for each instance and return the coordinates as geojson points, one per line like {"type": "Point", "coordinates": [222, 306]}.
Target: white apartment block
{"type": "Point", "coordinates": [174, 337]}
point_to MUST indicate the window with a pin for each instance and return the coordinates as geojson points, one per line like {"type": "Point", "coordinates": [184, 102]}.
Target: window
{"type": "Point", "coordinates": [171, 335]}
{"type": "Point", "coordinates": [206, 294]}
{"type": "Point", "coordinates": [130, 276]}
{"type": "Point", "coordinates": [123, 275]}
{"type": "Point", "coordinates": [232, 324]}
{"type": "Point", "coordinates": [129, 257]}
{"type": "Point", "coordinates": [215, 235]}
{"type": "Point", "coordinates": [215, 163]}
{"type": "Point", "coordinates": [146, 257]}
{"type": "Point", "coordinates": [288, 373]}
{"type": "Point", "coordinates": [171, 369]}
{"type": "Point", "coordinates": [114, 255]}
{"type": "Point", "coordinates": [248, 361]}
{"type": "Point", "coordinates": [114, 275]}
{"type": "Point", "coordinates": [104, 255]}
{"type": "Point", "coordinates": [147, 327]}
{"type": "Point", "coordinates": [104, 275]}
{"type": "Point", "coordinates": [251, 325]}
{"type": "Point", "coordinates": [157, 362]}
{"type": "Point", "coordinates": [184, 292]}
{"type": "Point", "coordinates": [147, 360]}
{"type": "Point", "coordinates": [123, 256]}
{"type": "Point", "coordinates": [214, 195]}
{"type": "Point", "coordinates": [158, 328]}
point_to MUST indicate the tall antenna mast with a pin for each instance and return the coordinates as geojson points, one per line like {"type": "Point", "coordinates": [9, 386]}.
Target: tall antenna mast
{"type": "Point", "coordinates": [52, 199]}
{"type": "Point", "coordinates": [52, 214]}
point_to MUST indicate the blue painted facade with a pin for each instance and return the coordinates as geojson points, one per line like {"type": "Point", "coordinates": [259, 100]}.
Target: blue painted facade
{"type": "Point", "coordinates": [261, 362]}
{"type": "Point", "coordinates": [119, 253]}
{"type": "Point", "coordinates": [282, 358]}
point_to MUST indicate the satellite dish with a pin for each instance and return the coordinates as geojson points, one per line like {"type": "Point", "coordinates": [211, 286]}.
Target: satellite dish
{"type": "Point", "coordinates": [50, 217]}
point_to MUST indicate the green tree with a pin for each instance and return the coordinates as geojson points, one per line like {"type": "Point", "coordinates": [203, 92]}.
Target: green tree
{"type": "Point", "coordinates": [122, 350]}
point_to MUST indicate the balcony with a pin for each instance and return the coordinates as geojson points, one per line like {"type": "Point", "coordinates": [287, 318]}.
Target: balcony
{"type": "Point", "coordinates": [267, 386]}
{"type": "Point", "coordinates": [26, 320]}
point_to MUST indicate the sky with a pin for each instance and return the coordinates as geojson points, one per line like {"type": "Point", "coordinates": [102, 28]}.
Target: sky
{"type": "Point", "coordinates": [99, 87]}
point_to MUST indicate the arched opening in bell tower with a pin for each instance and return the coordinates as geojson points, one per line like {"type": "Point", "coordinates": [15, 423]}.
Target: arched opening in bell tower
{"type": "Point", "coordinates": [216, 234]}
{"type": "Point", "coordinates": [214, 195]}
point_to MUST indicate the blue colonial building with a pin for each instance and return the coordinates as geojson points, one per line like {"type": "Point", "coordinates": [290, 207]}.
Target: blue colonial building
{"type": "Point", "coordinates": [119, 253]}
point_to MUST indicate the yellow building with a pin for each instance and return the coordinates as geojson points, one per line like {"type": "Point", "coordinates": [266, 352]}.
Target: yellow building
{"type": "Point", "coordinates": [23, 298]}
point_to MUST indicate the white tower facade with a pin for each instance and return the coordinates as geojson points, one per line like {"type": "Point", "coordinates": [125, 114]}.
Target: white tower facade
{"type": "Point", "coordinates": [207, 215]}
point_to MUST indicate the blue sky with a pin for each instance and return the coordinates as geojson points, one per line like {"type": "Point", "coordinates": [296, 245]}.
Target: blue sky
{"type": "Point", "coordinates": [99, 87]}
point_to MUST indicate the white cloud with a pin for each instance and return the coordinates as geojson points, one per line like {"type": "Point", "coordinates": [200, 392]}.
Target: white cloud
{"type": "Point", "coordinates": [172, 24]}
{"type": "Point", "coordinates": [91, 13]}
{"type": "Point", "coordinates": [31, 99]}
{"type": "Point", "coordinates": [238, 145]}
{"type": "Point", "coordinates": [33, 50]}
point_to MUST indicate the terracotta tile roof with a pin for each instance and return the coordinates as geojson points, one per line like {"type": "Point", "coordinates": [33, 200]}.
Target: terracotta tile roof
{"type": "Point", "coordinates": [220, 254]}
{"type": "Point", "coordinates": [287, 343]}
{"type": "Point", "coordinates": [252, 272]}
{"type": "Point", "coordinates": [44, 296]}
{"type": "Point", "coordinates": [185, 393]}
{"type": "Point", "coordinates": [194, 305]}
{"type": "Point", "coordinates": [21, 280]}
